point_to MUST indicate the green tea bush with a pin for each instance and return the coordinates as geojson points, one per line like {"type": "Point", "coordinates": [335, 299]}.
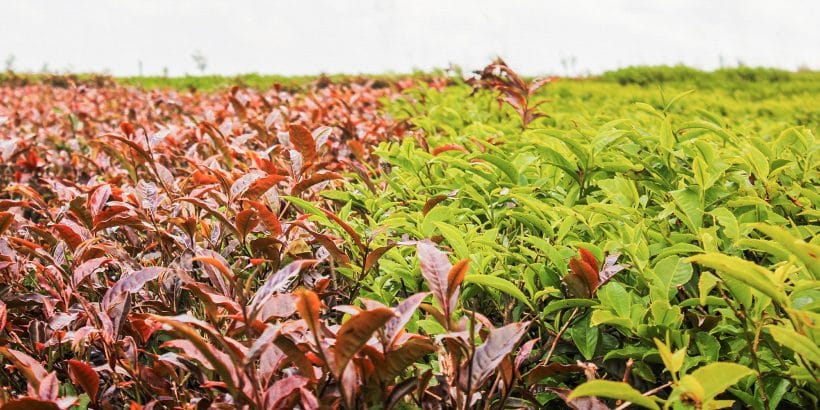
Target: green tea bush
{"type": "Point", "coordinates": [707, 201]}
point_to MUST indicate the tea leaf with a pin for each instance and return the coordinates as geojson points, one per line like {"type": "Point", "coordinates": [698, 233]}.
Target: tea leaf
{"type": "Point", "coordinates": [757, 277]}
{"type": "Point", "coordinates": [613, 390]}
{"type": "Point", "coordinates": [499, 283]}
{"type": "Point", "coordinates": [356, 331]}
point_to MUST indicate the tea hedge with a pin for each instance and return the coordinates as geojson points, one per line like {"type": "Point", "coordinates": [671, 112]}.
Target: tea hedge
{"type": "Point", "coordinates": [427, 242]}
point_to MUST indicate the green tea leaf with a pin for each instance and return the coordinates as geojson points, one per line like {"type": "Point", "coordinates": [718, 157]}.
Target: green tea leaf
{"type": "Point", "coordinates": [796, 342]}
{"type": "Point", "coordinates": [715, 378]}
{"type": "Point", "coordinates": [751, 274]}
{"type": "Point", "coordinates": [499, 283]}
{"type": "Point", "coordinates": [613, 390]}
{"type": "Point", "coordinates": [808, 253]}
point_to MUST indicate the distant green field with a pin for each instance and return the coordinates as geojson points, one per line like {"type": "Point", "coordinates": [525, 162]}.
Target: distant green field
{"type": "Point", "coordinates": [642, 76]}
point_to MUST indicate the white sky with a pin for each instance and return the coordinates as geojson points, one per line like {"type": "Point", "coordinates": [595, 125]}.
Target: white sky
{"type": "Point", "coordinates": [367, 36]}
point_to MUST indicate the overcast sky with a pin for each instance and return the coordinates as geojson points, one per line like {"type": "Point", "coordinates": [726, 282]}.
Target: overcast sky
{"type": "Point", "coordinates": [368, 36]}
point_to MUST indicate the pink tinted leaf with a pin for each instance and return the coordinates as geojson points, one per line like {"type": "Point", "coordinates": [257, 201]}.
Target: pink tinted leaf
{"type": "Point", "coordinates": [580, 403]}
{"type": "Point", "coordinates": [404, 312]}
{"type": "Point", "coordinates": [98, 198]}
{"type": "Point", "coordinates": [131, 283]}
{"type": "Point", "coordinates": [489, 355]}
{"type": "Point", "coordinates": [435, 267]}
{"type": "Point", "coordinates": [279, 282]}
{"type": "Point", "coordinates": [309, 400]}
{"type": "Point", "coordinates": [524, 352]}
{"type": "Point", "coordinates": [278, 305]}
{"type": "Point", "coordinates": [49, 387]}
{"type": "Point", "coordinates": [31, 368]}
{"type": "Point", "coordinates": [243, 183]}
{"type": "Point", "coordinates": [537, 83]}
{"type": "Point", "coordinates": [610, 268]}
{"type": "Point", "coordinates": [87, 268]}
{"type": "Point", "coordinates": [284, 389]}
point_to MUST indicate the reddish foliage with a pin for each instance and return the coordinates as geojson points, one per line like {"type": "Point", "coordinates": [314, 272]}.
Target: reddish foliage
{"type": "Point", "coordinates": [148, 214]}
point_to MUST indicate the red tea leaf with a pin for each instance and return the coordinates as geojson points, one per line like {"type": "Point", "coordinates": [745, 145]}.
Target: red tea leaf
{"type": "Point", "coordinates": [283, 390]}
{"type": "Point", "coordinates": [432, 202]}
{"type": "Point", "coordinates": [314, 179]}
{"type": "Point", "coordinates": [82, 374]}
{"type": "Point", "coordinates": [127, 128]}
{"type": "Point", "coordinates": [262, 185]}
{"type": "Point", "coordinates": [6, 219]}
{"type": "Point", "coordinates": [302, 139]}
{"type": "Point", "coordinates": [357, 149]}
{"type": "Point", "coordinates": [295, 355]}
{"type": "Point", "coordinates": [374, 256]}
{"type": "Point", "coordinates": [268, 218]}
{"type": "Point", "coordinates": [448, 147]}
{"type": "Point", "coordinates": [349, 229]}
{"type": "Point", "coordinates": [219, 361]}
{"type": "Point", "coordinates": [245, 222]}
{"type": "Point", "coordinates": [455, 277]}
{"type": "Point", "coordinates": [238, 108]}
{"type": "Point", "coordinates": [399, 359]}
{"type": "Point", "coordinates": [29, 403]}
{"type": "Point", "coordinates": [216, 263]}
{"type": "Point", "coordinates": [69, 235]}
{"type": "Point", "coordinates": [356, 332]}
{"type": "Point", "coordinates": [589, 258]}
{"type": "Point", "coordinates": [309, 308]}
{"type": "Point", "coordinates": [584, 271]}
